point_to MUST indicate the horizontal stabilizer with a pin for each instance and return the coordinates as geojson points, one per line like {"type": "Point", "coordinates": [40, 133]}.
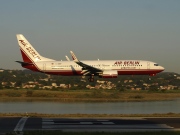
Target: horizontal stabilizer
{"type": "Point", "coordinates": [24, 63]}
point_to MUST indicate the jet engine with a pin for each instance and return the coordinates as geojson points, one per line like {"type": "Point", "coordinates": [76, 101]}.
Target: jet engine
{"type": "Point", "coordinates": [109, 74]}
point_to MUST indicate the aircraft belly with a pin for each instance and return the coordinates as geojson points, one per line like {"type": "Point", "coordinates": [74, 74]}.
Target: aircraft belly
{"type": "Point", "coordinates": [64, 72]}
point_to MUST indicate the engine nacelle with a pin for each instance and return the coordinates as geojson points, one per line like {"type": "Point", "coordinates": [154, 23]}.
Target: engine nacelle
{"type": "Point", "coordinates": [109, 74]}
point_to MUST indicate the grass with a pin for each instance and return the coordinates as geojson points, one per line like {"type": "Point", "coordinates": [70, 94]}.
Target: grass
{"type": "Point", "coordinates": [87, 95]}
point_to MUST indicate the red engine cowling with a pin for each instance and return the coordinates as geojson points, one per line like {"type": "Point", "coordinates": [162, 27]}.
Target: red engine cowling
{"type": "Point", "coordinates": [109, 74]}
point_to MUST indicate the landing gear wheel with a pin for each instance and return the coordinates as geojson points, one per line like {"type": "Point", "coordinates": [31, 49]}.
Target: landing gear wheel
{"type": "Point", "coordinates": [91, 78]}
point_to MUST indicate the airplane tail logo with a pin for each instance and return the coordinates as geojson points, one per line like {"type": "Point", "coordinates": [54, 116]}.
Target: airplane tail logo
{"type": "Point", "coordinates": [29, 54]}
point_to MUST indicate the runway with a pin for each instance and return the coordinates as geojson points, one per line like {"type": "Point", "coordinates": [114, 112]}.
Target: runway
{"type": "Point", "coordinates": [9, 124]}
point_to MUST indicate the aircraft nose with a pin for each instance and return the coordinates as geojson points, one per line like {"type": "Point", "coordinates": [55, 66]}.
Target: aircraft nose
{"type": "Point", "coordinates": [162, 68]}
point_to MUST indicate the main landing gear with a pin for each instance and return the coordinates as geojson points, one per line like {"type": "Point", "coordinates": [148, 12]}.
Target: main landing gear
{"type": "Point", "coordinates": [151, 75]}
{"type": "Point", "coordinates": [91, 78]}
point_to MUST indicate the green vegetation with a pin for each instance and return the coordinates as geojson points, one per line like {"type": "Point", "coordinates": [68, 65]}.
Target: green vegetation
{"type": "Point", "coordinates": [97, 133]}
{"type": "Point", "coordinates": [21, 85]}
{"type": "Point", "coordinates": [26, 79]}
{"type": "Point", "coordinates": [87, 95]}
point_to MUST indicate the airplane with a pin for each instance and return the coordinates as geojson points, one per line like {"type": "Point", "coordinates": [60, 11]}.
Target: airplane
{"type": "Point", "coordinates": [103, 68]}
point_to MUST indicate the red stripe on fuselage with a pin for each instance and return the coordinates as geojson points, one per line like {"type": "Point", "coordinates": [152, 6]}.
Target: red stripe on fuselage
{"type": "Point", "coordinates": [139, 72]}
{"type": "Point", "coordinates": [120, 72]}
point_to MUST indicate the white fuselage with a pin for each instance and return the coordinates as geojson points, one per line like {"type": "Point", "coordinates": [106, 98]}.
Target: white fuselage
{"type": "Point", "coordinates": [123, 67]}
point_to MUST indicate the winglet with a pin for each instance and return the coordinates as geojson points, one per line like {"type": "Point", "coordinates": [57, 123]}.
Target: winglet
{"type": "Point", "coordinates": [67, 58]}
{"type": "Point", "coordinates": [74, 57]}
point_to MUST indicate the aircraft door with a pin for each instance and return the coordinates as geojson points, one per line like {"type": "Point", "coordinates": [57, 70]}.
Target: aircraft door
{"type": "Point", "coordinates": [102, 66]}
{"type": "Point", "coordinates": [148, 65]}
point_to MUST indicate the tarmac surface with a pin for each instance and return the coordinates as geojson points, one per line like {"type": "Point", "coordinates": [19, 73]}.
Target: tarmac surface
{"type": "Point", "coordinates": [10, 124]}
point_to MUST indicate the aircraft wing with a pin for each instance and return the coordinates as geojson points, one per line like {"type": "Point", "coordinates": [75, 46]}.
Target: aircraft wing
{"type": "Point", "coordinates": [86, 69]}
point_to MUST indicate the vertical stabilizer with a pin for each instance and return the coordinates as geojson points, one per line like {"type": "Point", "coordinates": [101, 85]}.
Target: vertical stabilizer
{"type": "Point", "coordinates": [29, 54]}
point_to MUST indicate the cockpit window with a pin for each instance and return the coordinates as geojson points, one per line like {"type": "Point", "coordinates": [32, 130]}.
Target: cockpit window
{"type": "Point", "coordinates": [156, 64]}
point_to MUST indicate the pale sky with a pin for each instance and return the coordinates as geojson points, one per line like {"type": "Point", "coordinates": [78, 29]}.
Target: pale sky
{"type": "Point", "coordinates": [93, 29]}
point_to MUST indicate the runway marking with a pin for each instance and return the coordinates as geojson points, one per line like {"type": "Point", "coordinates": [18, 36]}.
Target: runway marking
{"type": "Point", "coordinates": [49, 123]}
{"type": "Point", "coordinates": [20, 124]}
{"type": "Point", "coordinates": [145, 126]}
{"type": "Point", "coordinates": [86, 123]}
{"type": "Point", "coordinates": [47, 119]}
{"type": "Point", "coordinates": [55, 124]}
{"type": "Point", "coordinates": [108, 123]}
{"type": "Point", "coordinates": [46, 123]}
{"type": "Point", "coordinates": [102, 120]}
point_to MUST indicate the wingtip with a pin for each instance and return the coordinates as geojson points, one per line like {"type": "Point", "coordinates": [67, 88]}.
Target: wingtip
{"type": "Point", "coordinates": [18, 34]}
{"type": "Point", "coordinates": [73, 56]}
